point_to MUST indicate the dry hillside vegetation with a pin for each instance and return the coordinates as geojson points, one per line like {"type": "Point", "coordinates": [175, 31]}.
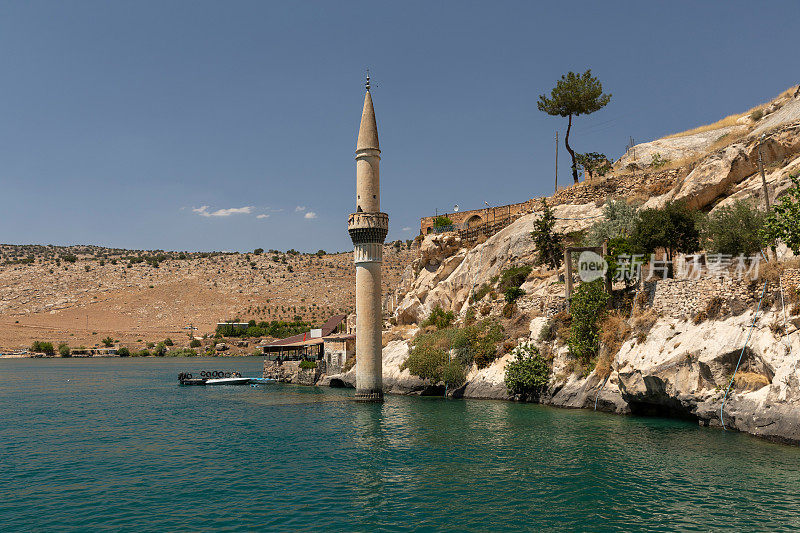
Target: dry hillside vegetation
{"type": "Point", "coordinates": [81, 294]}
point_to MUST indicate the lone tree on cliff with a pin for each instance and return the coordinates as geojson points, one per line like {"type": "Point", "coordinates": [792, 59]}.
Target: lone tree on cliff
{"type": "Point", "coordinates": [574, 94]}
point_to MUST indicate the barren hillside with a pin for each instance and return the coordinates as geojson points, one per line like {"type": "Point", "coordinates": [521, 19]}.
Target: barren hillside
{"type": "Point", "coordinates": [82, 294]}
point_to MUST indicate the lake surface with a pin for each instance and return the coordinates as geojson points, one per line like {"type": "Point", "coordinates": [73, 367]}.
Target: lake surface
{"type": "Point", "coordinates": [116, 444]}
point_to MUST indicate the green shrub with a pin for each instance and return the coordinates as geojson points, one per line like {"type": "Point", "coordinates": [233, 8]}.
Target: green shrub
{"type": "Point", "coordinates": [195, 343]}
{"type": "Point", "coordinates": [619, 219]}
{"type": "Point", "coordinates": [528, 374]}
{"type": "Point", "coordinates": [168, 342]}
{"type": "Point", "coordinates": [735, 229]}
{"type": "Point", "coordinates": [593, 163]}
{"type": "Point", "coordinates": [453, 374]}
{"type": "Point", "coordinates": [43, 347]}
{"type": "Point", "coordinates": [63, 350]}
{"type": "Point", "coordinates": [783, 222]}
{"type": "Point", "coordinates": [513, 277]}
{"type": "Point", "coordinates": [108, 342]}
{"type": "Point", "coordinates": [306, 365]}
{"type": "Point", "coordinates": [482, 291]}
{"type": "Point", "coordinates": [160, 350]}
{"type": "Point", "coordinates": [513, 294]}
{"type": "Point", "coordinates": [442, 222]}
{"type": "Point", "coordinates": [672, 227]}
{"type": "Point", "coordinates": [123, 352]}
{"type": "Point", "coordinates": [439, 318]}
{"type": "Point", "coordinates": [144, 353]}
{"type": "Point", "coordinates": [757, 115]}
{"type": "Point", "coordinates": [658, 161]}
{"type": "Point", "coordinates": [587, 306]}
{"type": "Point", "coordinates": [549, 243]}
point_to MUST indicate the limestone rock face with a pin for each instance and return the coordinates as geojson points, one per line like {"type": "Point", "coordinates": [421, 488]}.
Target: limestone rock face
{"type": "Point", "coordinates": [448, 274]}
{"type": "Point", "coordinates": [716, 175]}
{"type": "Point", "coordinates": [675, 148]}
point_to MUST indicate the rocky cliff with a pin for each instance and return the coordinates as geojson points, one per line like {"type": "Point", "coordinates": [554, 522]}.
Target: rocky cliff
{"type": "Point", "coordinates": [671, 364]}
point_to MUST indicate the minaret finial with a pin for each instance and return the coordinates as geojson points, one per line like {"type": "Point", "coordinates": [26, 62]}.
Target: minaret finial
{"type": "Point", "coordinates": [367, 83]}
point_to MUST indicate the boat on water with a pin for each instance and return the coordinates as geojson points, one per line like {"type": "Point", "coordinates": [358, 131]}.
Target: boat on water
{"type": "Point", "coordinates": [213, 378]}
{"type": "Point", "coordinates": [228, 381]}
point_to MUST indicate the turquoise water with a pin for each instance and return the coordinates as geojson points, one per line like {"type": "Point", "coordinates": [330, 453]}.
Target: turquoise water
{"type": "Point", "coordinates": [116, 444]}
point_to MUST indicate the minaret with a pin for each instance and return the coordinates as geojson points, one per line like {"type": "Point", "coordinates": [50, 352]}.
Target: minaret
{"type": "Point", "coordinates": [368, 228]}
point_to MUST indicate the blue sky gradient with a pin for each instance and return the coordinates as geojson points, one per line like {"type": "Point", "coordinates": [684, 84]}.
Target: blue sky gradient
{"type": "Point", "coordinates": [232, 125]}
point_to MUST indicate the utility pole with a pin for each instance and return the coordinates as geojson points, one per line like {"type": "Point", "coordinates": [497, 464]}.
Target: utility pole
{"type": "Point", "coordinates": [763, 178]}
{"type": "Point", "coordinates": [556, 189]}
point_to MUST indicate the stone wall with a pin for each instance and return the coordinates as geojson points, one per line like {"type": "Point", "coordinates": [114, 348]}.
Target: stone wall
{"type": "Point", "coordinates": [474, 217]}
{"type": "Point", "coordinates": [684, 298]}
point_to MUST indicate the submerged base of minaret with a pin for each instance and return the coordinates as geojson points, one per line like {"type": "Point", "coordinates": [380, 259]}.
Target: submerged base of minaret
{"type": "Point", "coordinates": [368, 396]}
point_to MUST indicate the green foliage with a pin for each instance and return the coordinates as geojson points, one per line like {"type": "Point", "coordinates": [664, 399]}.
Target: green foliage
{"type": "Point", "coordinates": [513, 277]}
{"type": "Point", "coordinates": [616, 247]}
{"type": "Point", "coordinates": [108, 342]}
{"type": "Point", "coordinates": [307, 365]}
{"type": "Point", "coordinates": [277, 329]}
{"type": "Point", "coordinates": [482, 291]}
{"type": "Point", "coordinates": [453, 374]}
{"type": "Point", "coordinates": [735, 229]}
{"type": "Point", "coordinates": [63, 350]}
{"type": "Point", "coordinates": [673, 227]}
{"type": "Point", "coordinates": [513, 294]}
{"type": "Point", "coordinates": [160, 350]}
{"type": "Point", "coordinates": [258, 251]}
{"type": "Point", "coordinates": [574, 95]}
{"type": "Point", "coordinates": [430, 353]}
{"type": "Point", "coordinates": [442, 222]}
{"type": "Point", "coordinates": [783, 222]}
{"type": "Point", "coordinates": [619, 219]}
{"type": "Point", "coordinates": [429, 356]}
{"type": "Point", "coordinates": [549, 244]}
{"type": "Point", "coordinates": [528, 374]}
{"type": "Point", "coordinates": [168, 342]}
{"type": "Point", "coordinates": [477, 342]}
{"type": "Point", "coordinates": [587, 306]}
{"type": "Point", "coordinates": [124, 352]}
{"type": "Point", "coordinates": [195, 343]}
{"type": "Point", "coordinates": [144, 353]}
{"type": "Point", "coordinates": [43, 347]}
{"type": "Point", "coordinates": [439, 318]}
{"type": "Point", "coordinates": [757, 115]}
{"type": "Point", "coordinates": [658, 161]}
{"type": "Point", "coordinates": [593, 163]}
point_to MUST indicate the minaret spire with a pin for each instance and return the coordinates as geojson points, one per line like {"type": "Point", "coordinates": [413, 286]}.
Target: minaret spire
{"type": "Point", "coordinates": [368, 227]}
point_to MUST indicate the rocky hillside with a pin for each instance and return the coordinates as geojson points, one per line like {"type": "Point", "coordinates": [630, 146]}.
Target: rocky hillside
{"type": "Point", "coordinates": [81, 294]}
{"type": "Point", "coordinates": [655, 362]}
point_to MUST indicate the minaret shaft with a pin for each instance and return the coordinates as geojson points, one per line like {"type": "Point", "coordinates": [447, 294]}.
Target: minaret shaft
{"type": "Point", "coordinates": [368, 228]}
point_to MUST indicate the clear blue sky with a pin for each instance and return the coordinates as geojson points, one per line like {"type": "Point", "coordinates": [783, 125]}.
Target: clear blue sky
{"type": "Point", "coordinates": [140, 124]}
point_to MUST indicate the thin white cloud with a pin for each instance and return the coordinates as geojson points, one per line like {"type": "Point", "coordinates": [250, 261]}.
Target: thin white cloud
{"type": "Point", "coordinates": [204, 212]}
{"type": "Point", "coordinates": [299, 209]}
{"type": "Point", "coordinates": [262, 216]}
{"type": "Point", "coordinates": [310, 214]}
{"type": "Point", "coordinates": [406, 229]}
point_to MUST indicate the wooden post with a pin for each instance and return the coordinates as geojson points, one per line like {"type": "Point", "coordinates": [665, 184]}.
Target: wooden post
{"type": "Point", "coordinates": [607, 280]}
{"type": "Point", "coordinates": [568, 273]}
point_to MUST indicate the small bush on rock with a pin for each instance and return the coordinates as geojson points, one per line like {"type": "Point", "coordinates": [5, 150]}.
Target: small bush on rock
{"type": "Point", "coordinates": [439, 318]}
{"type": "Point", "coordinates": [528, 374]}
{"type": "Point", "coordinates": [587, 306]}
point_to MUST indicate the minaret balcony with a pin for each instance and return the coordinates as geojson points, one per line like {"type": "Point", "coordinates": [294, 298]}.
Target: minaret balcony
{"type": "Point", "coordinates": [368, 227]}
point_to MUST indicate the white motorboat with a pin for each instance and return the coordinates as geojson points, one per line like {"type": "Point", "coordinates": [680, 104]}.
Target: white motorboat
{"type": "Point", "coordinates": [228, 381]}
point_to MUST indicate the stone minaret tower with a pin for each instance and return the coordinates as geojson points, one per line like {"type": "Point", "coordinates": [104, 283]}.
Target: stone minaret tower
{"type": "Point", "coordinates": [368, 228]}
